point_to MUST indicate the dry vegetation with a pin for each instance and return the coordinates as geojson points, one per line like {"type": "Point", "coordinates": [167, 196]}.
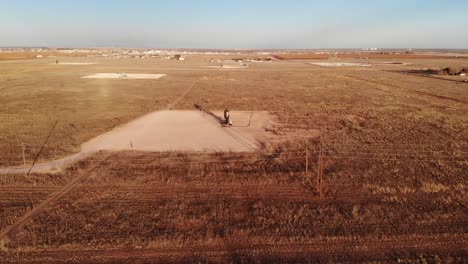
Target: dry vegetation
{"type": "Point", "coordinates": [16, 55]}
{"type": "Point", "coordinates": [36, 94]}
{"type": "Point", "coordinates": [394, 165]}
{"type": "Point", "coordinates": [359, 55]}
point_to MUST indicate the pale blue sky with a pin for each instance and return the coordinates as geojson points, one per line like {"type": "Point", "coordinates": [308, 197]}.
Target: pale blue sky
{"type": "Point", "coordinates": [256, 24]}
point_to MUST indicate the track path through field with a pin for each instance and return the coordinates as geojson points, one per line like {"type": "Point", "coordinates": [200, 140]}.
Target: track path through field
{"type": "Point", "coordinates": [26, 218]}
{"type": "Point", "coordinates": [182, 97]}
{"type": "Point", "coordinates": [412, 93]}
{"type": "Point", "coordinates": [354, 249]}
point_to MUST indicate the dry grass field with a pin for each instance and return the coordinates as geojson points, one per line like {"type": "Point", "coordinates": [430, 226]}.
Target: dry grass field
{"type": "Point", "coordinates": [365, 164]}
{"type": "Point", "coordinates": [369, 55]}
{"type": "Point", "coordinates": [36, 94]}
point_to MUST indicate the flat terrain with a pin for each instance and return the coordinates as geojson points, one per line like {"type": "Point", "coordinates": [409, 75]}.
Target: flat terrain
{"type": "Point", "coordinates": [361, 164]}
{"type": "Point", "coordinates": [15, 56]}
{"type": "Point", "coordinates": [125, 76]}
{"type": "Point", "coordinates": [189, 131]}
{"type": "Point", "coordinates": [368, 55]}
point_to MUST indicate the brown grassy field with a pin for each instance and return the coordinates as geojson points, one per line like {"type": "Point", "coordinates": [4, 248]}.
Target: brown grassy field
{"type": "Point", "coordinates": [36, 94]}
{"type": "Point", "coordinates": [393, 151]}
{"type": "Point", "coordinates": [362, 55]}
{"type": "Point", "coordinates": [17, 55]}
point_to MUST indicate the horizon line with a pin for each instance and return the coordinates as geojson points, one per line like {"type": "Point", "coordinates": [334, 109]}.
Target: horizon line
{"type": "Point", "coordinates": [240, 49]}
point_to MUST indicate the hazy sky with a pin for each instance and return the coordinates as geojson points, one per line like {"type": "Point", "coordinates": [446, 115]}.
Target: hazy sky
{"type": "Point", "coordinates": [235, 23]}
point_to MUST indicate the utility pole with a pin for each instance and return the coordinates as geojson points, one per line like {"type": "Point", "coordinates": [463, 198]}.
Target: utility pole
{"type": "Point", "coordinates": [320, 168]}
{"type": "Point", "coordinates": [307, 158]}
{"type": "Point", "coordinates": [23, 149]}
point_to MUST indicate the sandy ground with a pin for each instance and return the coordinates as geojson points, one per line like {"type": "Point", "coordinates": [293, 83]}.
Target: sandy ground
{"type": "Point", "coordinates": [228, 67]}
{"type": "Point", "coordinates": [74, 63]}
{"type": "Point", "coordinates": [134, 76]}
{"type": "Point", "coordinates": [192, 131]}
{"type": "Point", "coordinates": [340, 64]}
{"type": "Point", "coordinates": [183, 131]}
{"type": "Point", "coordinates": [50, 167]}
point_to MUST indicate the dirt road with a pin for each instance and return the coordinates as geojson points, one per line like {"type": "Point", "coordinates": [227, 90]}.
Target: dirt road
{"type": "Point", "coordinates": [351, 250]}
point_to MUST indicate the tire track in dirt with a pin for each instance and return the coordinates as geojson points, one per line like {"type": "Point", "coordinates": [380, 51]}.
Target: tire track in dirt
{"type": "Point", "coordinates": [425, 76]}
{"type": "Point", "coordinates": [182, 97]}
{"type": "Point", "coordinates": [235, 135]}
{"type": "Point", "coordinates": [4, 235]}
{"type": "Point", "coordinates": [241, 192]}
{"type": "Point", "coordinates": [363, 248]}
{"type": "Point", "coordinates": [203, 193]}
{"type": "Point", "coordinates": [417, 93]}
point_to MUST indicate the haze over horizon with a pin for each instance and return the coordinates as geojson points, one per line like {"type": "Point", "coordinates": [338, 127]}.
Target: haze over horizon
{"type": "Point", "coordinates": [210, 24]}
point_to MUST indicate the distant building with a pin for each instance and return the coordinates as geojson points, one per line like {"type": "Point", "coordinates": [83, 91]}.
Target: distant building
{"type": "Point", "coordinates": [178, 57]}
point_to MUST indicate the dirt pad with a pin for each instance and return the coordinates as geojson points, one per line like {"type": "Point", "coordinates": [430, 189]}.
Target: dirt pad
{"type": "Point", "coordinates": [125, 76]}
{"type": "Point", "coordinates": [74, 63]}
{"type": "Point", "coordinates": [187, 131]}
{"type": "Point", "coordinates": [182, 131]}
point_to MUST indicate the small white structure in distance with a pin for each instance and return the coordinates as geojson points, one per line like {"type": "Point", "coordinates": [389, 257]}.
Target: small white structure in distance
{"type": "Point", "coordinates": [125, 76]}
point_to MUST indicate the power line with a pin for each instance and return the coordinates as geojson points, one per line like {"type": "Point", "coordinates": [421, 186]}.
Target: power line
{"type": "Point", "coordinates": [130, 166]}
{"type": "Point", "coordinates": [42, 147]}
{"type": "Point", "coordinates": [243, 157]}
